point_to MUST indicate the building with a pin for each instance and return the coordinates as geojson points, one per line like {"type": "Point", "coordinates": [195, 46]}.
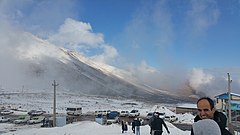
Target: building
{"type": "Point", "coordinates": [186, 108]}
{"type": "Point", "coordinates": [222, 101]}
{"type": "Point", "coordinates": [222, 104]}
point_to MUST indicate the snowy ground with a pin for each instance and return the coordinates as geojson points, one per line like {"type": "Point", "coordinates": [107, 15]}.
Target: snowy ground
{"type": "Point", "coordinates": [44, 101]}
{"type": "Point", "coordinates": [92, 128]}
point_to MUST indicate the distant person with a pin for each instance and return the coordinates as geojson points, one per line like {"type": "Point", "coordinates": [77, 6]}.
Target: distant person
{"type": "Point", "coordinates": [44, 122]}
{"type": "Point", "coordinates": [206, 110]}
{"type": "Point", "coordinates": [156, 125]}
{"type": "Point", "coordinates": [133, 126]}
{"type": "Point", "coordinates": [137, 125]}
{"type": "Point", "coordinates": [206, 127]}
{"type": "Point", "coordinates": [123, 126]}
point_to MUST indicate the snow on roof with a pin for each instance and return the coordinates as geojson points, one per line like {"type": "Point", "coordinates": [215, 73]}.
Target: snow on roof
{"type": "Point", "coordinates": [225, 95]}
{"type": "Point", "coordinates": [186, 105]}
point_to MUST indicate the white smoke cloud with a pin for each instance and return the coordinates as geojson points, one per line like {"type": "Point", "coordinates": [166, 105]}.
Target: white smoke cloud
{"type": "Point", "coordinates": [199, 78]}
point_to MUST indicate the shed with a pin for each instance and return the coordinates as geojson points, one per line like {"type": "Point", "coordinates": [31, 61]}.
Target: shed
{"type": "Point", "coordinates": [186, 108]}
{"type": "Point", "coordinates": [222, 100]}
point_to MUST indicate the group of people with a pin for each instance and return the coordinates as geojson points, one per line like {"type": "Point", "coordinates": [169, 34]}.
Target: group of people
{"type": "Point", "coordinates": [135, 126]}
{"type": "Point", "coordinates": [208, 121]}
{"type": "Point", "coordinates": [155, 124]}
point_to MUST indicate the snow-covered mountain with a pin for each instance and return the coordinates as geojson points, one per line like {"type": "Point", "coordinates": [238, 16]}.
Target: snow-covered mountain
{"type": "Point", "coordinates": [34, 63]}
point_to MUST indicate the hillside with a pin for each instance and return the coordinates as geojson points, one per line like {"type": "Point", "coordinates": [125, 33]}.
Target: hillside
{"type": "Point", "coordinates": [33, 64]}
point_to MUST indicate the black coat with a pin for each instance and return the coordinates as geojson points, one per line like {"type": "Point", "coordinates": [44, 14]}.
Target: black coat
{"type": "Point", "coordinates": [157, 124]}
{"type": "Point", "coordinates": [137, 123]}
{"type": "Point", "coordinates": [221, 120]}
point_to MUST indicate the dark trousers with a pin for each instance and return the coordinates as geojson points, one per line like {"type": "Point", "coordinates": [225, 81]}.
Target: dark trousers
{"type": "Point", "coordinates": [157, 132]}
{"type": "Point", "coordinates": [133, 129]}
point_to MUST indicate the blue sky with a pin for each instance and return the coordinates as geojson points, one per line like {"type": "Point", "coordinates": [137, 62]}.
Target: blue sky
{"type": "Point", "coordinates": [190, 33]}
{"type": "Point", "coordinates": [163, 35]}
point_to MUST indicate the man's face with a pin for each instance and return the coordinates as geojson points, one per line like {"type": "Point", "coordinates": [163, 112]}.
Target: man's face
{"type": "Point", "coordinates": [204, 109]}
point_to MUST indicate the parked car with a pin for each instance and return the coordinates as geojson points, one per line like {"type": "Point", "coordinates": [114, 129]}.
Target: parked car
{"type": "Point", "coordinates": [6, 112]}
{"type": "Point", "coordinates": [98, 113]}
{"type": "Point", "coordinates": [124, 113]}
{"type": "Point", "coordinates": [106, 112]}
{"type": "Point", "coordinates": [4, 119]}
{"type": "Point", "coordinates": [113, 114]}
{"type": "Point", "coordinates": [22, 119]}
{"type": "Point", "coordinates": [134, 113]}
{"type": "Point", "coordinates": [112, 120]}
{"type": "Point", "coordinates": [36, 119]}
{"type": "Point", "coordinates": [113, 117]}
{"type": "Point", "coordinates": [161, 115]}
{"type": "Point", "coordinates": [74, 111]}
{"type": "Point", "coordinates": [171, 118]}
{"type": "Point", "coordinates": [149, 115]}
{"type": "Point", "coordinates": [36, 112]}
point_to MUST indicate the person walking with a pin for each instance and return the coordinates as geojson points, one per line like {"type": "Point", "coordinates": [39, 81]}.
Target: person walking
{"type": "Point", "coordinates": [157, 125]}
{"type": "Point", "coordinates": [206, 110]}
{"type": "Point", "coordinates": [133, 126]}
{"type": "Point", "coordinates": [137, 125]}
{"type": "Point", "coordinates": [151, 120]}
{"type": "Point", "coordinates": [123, 126]}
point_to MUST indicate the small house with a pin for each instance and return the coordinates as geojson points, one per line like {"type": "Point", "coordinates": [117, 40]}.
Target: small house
{"type": "Point", "coordinates": [186, 108]}
{"type": "Point", "coordinates": [222, 101]}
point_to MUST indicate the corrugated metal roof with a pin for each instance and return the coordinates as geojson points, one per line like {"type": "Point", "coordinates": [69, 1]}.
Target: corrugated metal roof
{"type": "Point", "coordinates": [225, 95]}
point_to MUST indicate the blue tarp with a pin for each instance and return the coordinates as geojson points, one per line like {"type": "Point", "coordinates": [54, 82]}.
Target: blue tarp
{"type": "Point", "coordinates": [235, 105]}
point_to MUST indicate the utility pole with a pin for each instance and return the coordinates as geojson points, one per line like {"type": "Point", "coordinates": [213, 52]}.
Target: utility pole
{"type": "Point", "coordinates": [229, 106]}
{"type": "Point", "coordinates": [54, 103]}
{"type": "Point", "coordinates": [229, 99]}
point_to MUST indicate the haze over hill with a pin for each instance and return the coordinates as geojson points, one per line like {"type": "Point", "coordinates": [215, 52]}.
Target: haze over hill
{"type": "Point", "coordinates": [32, 63]}
{"type": "Point", "coordinates": [28, 62]}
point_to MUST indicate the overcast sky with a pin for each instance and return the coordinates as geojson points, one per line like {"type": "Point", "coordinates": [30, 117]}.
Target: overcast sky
{"type": "Point", "coordinates": [185, 39]}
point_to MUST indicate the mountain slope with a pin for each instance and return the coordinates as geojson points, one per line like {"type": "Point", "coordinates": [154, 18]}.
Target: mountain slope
{"type": "Point", "coordinates": [35, 63]}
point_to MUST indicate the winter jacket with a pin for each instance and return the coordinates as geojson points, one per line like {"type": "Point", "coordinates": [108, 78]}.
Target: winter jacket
{"type": "Point", "coordinates": [157, 124]}
{"type": "Point", "coordinates": [221, 120]}
{"type": "Point", "coordinates": [137, 123]}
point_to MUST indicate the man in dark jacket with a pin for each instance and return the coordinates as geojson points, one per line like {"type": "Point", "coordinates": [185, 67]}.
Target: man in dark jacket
{"type": "Point", "coordinates": [151, 120]}
{"type": "Point", "coordinates": [137, 125]}
{"type": "Point", "coordinates": [156, 125]}
{"type": "Point", "coordinates": [206, 110]}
